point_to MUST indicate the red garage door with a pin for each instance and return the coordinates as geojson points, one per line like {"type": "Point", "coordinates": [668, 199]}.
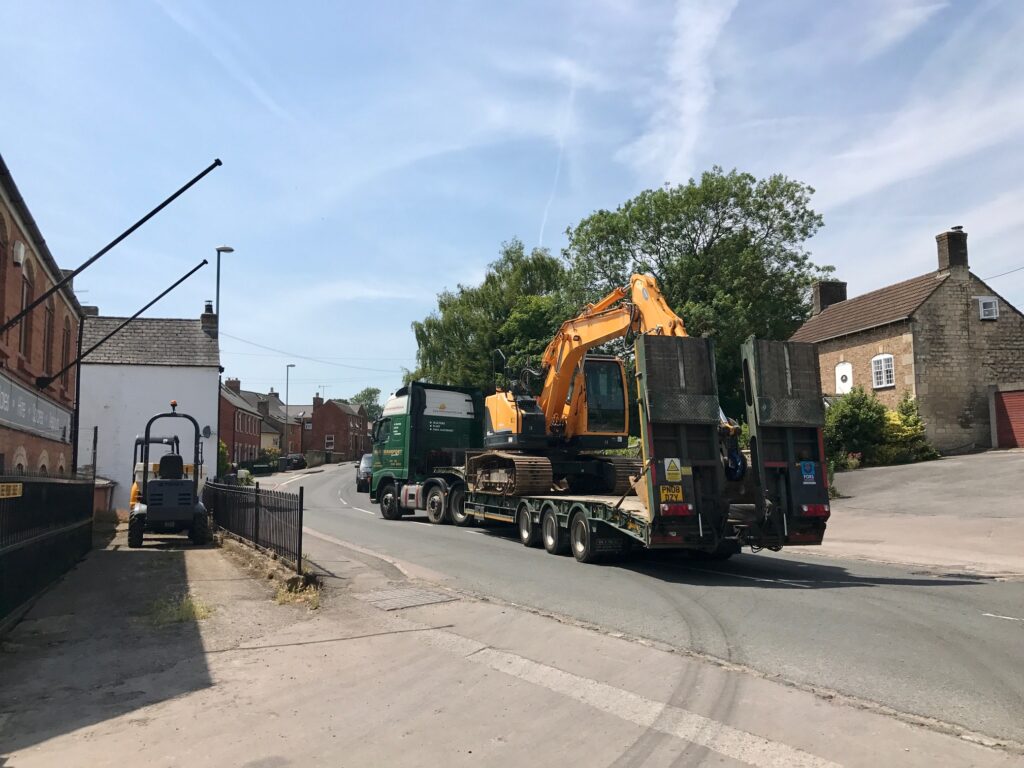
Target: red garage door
{"type": "Point", "coordinates": [1010, 419]}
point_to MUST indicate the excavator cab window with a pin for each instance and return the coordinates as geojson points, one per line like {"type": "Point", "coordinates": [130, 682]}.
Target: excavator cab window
{"type": "Point", "coordinates": [606, 399]}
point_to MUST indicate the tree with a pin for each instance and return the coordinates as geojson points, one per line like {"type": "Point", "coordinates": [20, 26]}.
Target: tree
{"type": "Point", "coordinates": [516, 309]}
{"type": "Point", "coordinates": [369, 398]}
{"type": "Point", "coordinates": [854, 423]}
{"type": "Point", "coordinates": [728, 252]}
{"type": "Point", "coordinates": [223, 460]}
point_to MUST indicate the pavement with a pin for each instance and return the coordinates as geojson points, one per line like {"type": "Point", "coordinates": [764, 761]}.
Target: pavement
{"type": "Point", "coordinates": [396, 670]}
{"type": "Point", "coordinates": [964, 513]}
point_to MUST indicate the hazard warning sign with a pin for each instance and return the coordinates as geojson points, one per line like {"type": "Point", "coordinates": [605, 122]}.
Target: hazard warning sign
{"type": "Point", "coordinates": [673, 471]}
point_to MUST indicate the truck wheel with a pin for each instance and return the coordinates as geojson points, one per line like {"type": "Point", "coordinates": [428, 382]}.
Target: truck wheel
{"type": "Point", "coordinates": [553, 535]}
{"type": "Point", "coordinates": [136, 525]}
{"type": "Point", "coordinates": [388, 502]}
{"type": "Point", "coordinates": [457, 507]}
{"type": "Point", "coordinates": [529, 534]}
{"type": "Point", "coordinates": [581, 540]}
{"type": "Point", "coordinates": [437, 512]}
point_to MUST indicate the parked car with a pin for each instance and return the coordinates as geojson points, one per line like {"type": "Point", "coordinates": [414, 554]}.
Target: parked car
{"type": "Point", "coordinates": [296, 461]}
{"type": "Point", "coordinates": [364, 471]}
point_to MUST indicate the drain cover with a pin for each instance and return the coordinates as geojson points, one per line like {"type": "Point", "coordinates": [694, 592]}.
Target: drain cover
{"type": "Point", "coordinates": [406, 597]}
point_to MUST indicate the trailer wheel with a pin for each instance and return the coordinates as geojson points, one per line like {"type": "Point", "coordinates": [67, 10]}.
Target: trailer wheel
{"type": "Point", "coordinates": [437, 512]}
{"type": "Point", "coordinates": [553, 535]}
{"type": "Point", "coordinates": [581, 541]}
{"type": "Point", "coordinates": [389, 502]}
{"type": "Point", "coordinates": [529, 534]}
{"type": "Point", "coordinates": [457, 507]}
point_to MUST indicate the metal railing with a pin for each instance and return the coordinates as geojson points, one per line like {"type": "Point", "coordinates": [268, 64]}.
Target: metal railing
{"type": "Point", "coordinates": [45, 528]}
{"type": "Point", "coordinates": [272, 520]}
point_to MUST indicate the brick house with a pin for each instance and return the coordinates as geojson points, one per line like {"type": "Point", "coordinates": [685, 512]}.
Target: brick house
{"type": "Point", "coordinates": [271, 408]}
{"type": "Point", "coordinates": [339, 428]}
{"type": "Point", "coordinates": [945, 337]}
{"type": "Point", "coordinates": [241, 425]}
{"type": "Point", "coordinates": [35, 425]}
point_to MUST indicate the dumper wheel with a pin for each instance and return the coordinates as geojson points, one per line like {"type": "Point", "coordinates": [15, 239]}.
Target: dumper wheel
{"type": "Point", "coordinates": [529, 534]}
{"type": "Point", "coordinates": [554, 537]}
{"type": "Point", "coordinates": [581, 539]}
{"type": "Point", "coordinates": [437, 512]}
{"type": "Point", "coordinates": [457, 507]}
{"type": "Point", "coordinates": [389, 502]}
{"type": "Point", "coordinates": [136, 526]}
{"type": "Point", "coordinates": [199, 533]}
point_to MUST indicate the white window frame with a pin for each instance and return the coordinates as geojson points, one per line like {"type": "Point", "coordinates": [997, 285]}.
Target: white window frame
{"type": "Point", "coordinates": [882, 375]}
{"type": "Point", "coordinates": [328, 442]}
{"type": "Point", "coordinates": [992, 304]}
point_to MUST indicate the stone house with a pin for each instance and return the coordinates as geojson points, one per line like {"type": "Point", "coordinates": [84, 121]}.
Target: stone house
{"type": "Point", "coordinates": [36, 425]}
{"type": "Point", "coordinates": [945, 337]}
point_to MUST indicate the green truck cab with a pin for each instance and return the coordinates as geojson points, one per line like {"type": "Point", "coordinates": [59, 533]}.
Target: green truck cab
{"type": "Point", "coordinates": [419, 448]}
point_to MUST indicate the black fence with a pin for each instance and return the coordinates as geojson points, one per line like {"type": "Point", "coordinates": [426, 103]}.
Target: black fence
{"type": "Point", "coordinates": [271, 520]}
{"type": "Point", "coordinates": [45, 528]}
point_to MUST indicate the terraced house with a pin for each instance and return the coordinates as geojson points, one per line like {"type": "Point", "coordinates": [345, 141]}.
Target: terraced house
{"type": "Point", "coordinates": [35, 425]}
{"type": "Point", "coordinates": [946, 337]}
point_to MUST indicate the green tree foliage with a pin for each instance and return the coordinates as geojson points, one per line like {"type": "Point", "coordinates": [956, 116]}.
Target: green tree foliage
{"type": "Point", "coordinates": [727, 250]}
{"type": "Point", "coordinates": [223, 462]}
{"type": "Point", "coordinates": [516, 309]}
{"type": "Point", "coordinates": [854, 423]}
{"type": "Point", "coordinates": [369, 398]}
{"type": "Point", "coordinates": [903, 439]}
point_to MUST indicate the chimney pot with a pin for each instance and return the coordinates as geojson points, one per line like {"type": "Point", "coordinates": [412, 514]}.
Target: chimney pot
{"type": "Point", "coordinates": [235, 385]}
{"type": "Point", "coordinates": [317, 401]}
{"type": "Point", "coordinates": [208, 321]}
{"type": "Point", "coordinates": [825, 293]}
{"type": "Point", "coordinates": [952, 249]}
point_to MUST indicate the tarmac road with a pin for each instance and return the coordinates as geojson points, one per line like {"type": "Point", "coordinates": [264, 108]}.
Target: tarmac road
{"type": "Point", "coordinates": [942, 646]}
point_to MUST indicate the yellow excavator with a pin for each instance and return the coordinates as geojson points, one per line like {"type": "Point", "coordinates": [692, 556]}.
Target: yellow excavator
{"type": "Point", "coordinates": [537, 444]}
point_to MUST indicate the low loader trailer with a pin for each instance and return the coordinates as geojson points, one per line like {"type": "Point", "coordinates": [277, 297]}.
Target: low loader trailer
{"type": "Point", "coordinates": [428, 447]}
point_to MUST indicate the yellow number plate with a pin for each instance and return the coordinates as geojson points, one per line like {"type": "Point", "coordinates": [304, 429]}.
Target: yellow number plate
{"type": "Point", "coordinates": [10, 490]}
{"type": "Point", "coordinates": [671, 493]}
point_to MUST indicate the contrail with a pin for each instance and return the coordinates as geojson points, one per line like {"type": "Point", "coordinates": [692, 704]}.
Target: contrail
{"type": "Point", "coordinates": [563, 130]}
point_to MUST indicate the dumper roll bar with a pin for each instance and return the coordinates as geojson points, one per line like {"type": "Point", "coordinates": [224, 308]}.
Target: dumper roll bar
{"type": "Point", "coordinates": [148, 440]}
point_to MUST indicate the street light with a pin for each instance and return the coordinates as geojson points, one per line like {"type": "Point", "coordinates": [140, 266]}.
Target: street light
{"type": "Point", "coordinates": [220, 249]}
{"type": "Point", "coordinates": [287, 371]}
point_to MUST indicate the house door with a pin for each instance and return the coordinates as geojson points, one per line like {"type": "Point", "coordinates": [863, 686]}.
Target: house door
{"type": "Point", "coordinates": [844, 378]}
{"type": "Point", "coordinates": [1010, 419]}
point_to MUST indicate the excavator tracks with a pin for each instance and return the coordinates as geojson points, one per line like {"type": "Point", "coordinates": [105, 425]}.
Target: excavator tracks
{"type": "Point", "coordinates": [625, 467]}
{"type": "Point", "coordinates": [509, 474]}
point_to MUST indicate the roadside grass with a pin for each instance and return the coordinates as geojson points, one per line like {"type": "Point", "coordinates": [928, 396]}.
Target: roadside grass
{"type": "Point", "coordinates": [178, 609]}
{"type": "Point", "coordinates": [309, 595]}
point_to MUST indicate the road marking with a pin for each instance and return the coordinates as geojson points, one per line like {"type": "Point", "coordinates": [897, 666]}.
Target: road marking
{"type": "Point", "coordinates": [342, 500]}
{"type": "Point", "coordinates": [647, 713]}
{"type": "Point", "coordinates": [751, 578]}
{"type": "Point", "coordinates": [998, 616]}
{"type": "Point", "coordinates": [365, 510]}
{"type": "Point", "coordinates": [290, 480]}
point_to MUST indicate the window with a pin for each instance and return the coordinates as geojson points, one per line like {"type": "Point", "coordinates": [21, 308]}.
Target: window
{"type": "Point", "coordinates": [988, 307]}
{"type": "Point", "coordinates": [3, 268]}
{"type": "Point", "coordinates": [308, 425]}
{"type": "Point", "coordinates": [65, 352]}
{"type": "Point", "coordinates": [883, 374]}
{"type": "Point", "coordinates": [25, 340]}
{"type": "Point", "coordinates": [606, 399]}
{"type": "Point", "coordinates": [48, 338]}
{"type": "Point", "coordinates": [328, 442]}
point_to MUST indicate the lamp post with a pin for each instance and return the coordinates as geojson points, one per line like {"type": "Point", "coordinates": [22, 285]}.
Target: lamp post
{"type": "Point", "coordinates": [287, 420]}
{"type": "Point", "coordinates": [220, 249]}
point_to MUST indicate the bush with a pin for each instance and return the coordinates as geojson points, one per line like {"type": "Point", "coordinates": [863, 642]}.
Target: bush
{"type": "Point", "coordinates": [903, 439]}
{"type": "Point", "coordinates": [223, 464]}
{"type": "Point", "coordinates": [854, 423]}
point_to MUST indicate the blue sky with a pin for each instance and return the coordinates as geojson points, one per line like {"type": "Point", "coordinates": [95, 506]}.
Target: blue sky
{"type": "Point", "coordinates": [376, 153]}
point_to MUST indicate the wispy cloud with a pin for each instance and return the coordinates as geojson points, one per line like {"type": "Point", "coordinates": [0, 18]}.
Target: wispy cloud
{"type": "Point", "coordinates": [567, 116]}
{"type": "Point", "coordinates": [896, 21]}
{"type": "Point", "coordinates": [215, 38]}
{"type": "Point", "coordinates": [666, 148]}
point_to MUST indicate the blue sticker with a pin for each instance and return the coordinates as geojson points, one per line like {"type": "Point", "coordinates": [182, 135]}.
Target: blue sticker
{"type": "Point", "coordinates": [807, 470]}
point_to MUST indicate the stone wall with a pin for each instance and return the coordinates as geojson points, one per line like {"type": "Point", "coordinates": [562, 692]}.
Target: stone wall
{"type": "Point", "coordinates": [895, 339]}
{"type": "Point", "coordinates": [957, 355]}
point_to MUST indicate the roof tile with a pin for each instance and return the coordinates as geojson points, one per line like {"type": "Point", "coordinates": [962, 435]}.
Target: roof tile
{"type": "Point", "coordinates": [150, 341]}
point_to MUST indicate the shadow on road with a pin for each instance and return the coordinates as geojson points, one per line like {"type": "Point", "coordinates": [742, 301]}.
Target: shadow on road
{"type": "Point", "coordinates": [91, 649]}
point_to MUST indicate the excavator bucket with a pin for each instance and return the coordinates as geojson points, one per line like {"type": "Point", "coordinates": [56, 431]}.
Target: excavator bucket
{"type": "Point", "coordinates": [786, 414]}
{"type": "Point", "coordinates": [679, 420]}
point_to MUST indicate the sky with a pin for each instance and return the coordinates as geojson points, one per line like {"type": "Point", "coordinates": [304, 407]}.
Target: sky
{"type": "Point", "coordinates": [377, 153]}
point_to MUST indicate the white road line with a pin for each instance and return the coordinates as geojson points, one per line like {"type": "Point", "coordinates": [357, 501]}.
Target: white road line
{"type": "Point", "coordinates": [751, 578]}
{"type": "Point", "coordinates": [290, 480]}
{"type": "Point", "coordinates": [998, 616]}
{"type": "Point", "coordinates": [342, 500]}
{"type": "Point", "coordinates": [365, 510]}
{"type": "Point", "coordinates": [674, 721]}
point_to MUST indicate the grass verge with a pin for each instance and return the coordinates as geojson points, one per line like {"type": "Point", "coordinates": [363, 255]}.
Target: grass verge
{"type": "Point", "coordinates": [178, 609]}
{"type": "Point", "coordinates": [310, 595]}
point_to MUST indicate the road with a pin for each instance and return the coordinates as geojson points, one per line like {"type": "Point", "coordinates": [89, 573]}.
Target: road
{"type": "Point", "coordinates": [934, 645]}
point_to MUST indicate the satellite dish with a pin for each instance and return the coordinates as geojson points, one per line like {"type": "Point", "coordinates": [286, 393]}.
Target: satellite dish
{"type": "Point", "coordinates": [207, 431]}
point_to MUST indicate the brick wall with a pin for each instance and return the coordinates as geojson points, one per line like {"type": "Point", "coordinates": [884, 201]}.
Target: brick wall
{"type": "Point", "coordinates": [958, 355]}
{"type": "Point", "coordinates": [240, 430]}
{"type": "Point", "coordinates": [331, 419]}
{"type": "Point", "coordinates": [895, 339]}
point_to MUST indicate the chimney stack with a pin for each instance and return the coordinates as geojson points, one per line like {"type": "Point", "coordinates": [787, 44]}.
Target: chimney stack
{"type": "Point", "coordinates": [825, 293]}
{"type": "Point", "coordinates": [317, 401]}
{"type": "Point", "coordinates": [952, 246]}
{"type": "Point", "coordinates": [90, 311]}
{"type": "Point", "coordinates": [208, 320]}
{"type": "Point", "coordinates": [235, 385]}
